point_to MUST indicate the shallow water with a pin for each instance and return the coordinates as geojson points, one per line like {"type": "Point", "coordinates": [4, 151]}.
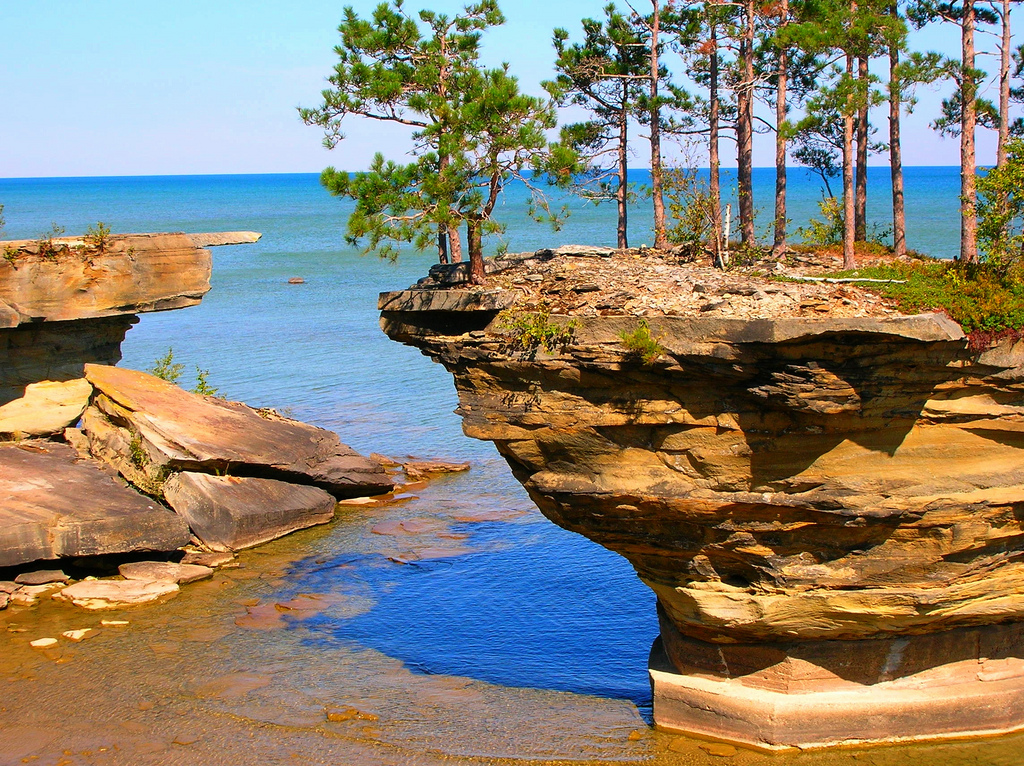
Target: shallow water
{"type": "Point", "coordinates": [461, 625]}
{"type": "Point", "coordinates": [360, 620]}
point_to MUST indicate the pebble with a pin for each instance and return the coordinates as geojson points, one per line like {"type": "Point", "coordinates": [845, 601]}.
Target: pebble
{"type": "Point", "coordinates": [296, 281]}
{"type": "Point", "coordinates": [348, 714]}
{"type": "Point", "coordinates": [80, 634]}
{"type": "Point", "coordinates": [719, 749]}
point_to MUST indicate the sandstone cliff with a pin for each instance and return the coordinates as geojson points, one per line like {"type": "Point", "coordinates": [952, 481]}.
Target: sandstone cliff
{"type": "Point", "coordinates": [827, 497]}
{"type": "Point", "coordinates": [775, 479]}
{"type": "Point", "coordinates": [68, 301]}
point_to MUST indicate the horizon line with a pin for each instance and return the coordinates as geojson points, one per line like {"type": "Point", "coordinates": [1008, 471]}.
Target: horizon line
{"type": "Point", "coordinates": [317, 172]}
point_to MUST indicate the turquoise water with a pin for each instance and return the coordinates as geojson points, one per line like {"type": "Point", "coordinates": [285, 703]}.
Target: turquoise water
{"type": "Point", "coordinates": [531, 605]}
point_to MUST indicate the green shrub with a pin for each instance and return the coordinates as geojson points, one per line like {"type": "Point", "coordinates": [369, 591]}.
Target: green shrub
{"type": "Point", "coordinates": [166, 368]}
{"type": "Point", "coordinates": [529, 332]}
{"type": "Point", "coordinates": [203, 386]}
{"type": "Point", "coordinates": [98, 236]}
{"type": "Point", "coordinates": [641, 344]}
{"type": "Point", "coordinates": [981, 297]}
{"type": "Point", "coordinates": [47, 247]}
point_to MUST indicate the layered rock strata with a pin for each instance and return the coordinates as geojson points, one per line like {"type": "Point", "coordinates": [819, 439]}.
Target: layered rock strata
{"type": "Point", "coordinates": [823, 506]}
{"type": "Point", "coordinates": [65, 302]}
{"type": "Point", "coordinates": [53, 505]}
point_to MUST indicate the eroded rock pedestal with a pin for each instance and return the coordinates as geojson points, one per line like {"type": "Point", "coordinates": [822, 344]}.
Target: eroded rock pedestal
{"type": "Point", "coordinates": [828, 509]}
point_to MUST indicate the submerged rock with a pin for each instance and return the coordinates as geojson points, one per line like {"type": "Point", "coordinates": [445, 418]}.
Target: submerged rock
{"type": "Point", "coordinates": [114, 594]}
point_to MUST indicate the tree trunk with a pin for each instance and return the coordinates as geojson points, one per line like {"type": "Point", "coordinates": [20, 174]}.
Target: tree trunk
{"type": "Point", "coordinates": [442, 246]}
{"type": "Point", "coordinates": [1004, 86]}
{"type": "Point", "coordinates": [621, 194]}
{"type": "Point", "coordinates": [861, 220]}
{"type": "Point", "coordinates": [779, 245]}
{"type": "Point", "coordinates": [968, 122]}
{"type": "Point", "coordinates": [660, 238]}
{"type": "Point", "coordinates": [745, 130]}
{"type": "Point", "coordinates": [474, 237]}
{"type": "Point", "coordinates": [454, 244]}
{"type": "Point", "coordinates": [899, 219]}
{"type": "Point", "coordinates": [713, 159]}
{"type": "Point", "coordinates": [848, 195]}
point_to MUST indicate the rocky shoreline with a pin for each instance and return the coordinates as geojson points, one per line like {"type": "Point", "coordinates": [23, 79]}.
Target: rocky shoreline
{"type": "Point", "coordinates": [102, 466]}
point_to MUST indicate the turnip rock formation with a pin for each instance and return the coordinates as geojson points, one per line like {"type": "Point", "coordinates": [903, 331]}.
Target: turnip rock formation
{"type": "Point", "coordinates": [828, 505]}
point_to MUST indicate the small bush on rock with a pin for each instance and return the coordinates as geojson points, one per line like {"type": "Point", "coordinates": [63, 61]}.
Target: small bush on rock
{"type": "Point", "coordinates": [641, 344]}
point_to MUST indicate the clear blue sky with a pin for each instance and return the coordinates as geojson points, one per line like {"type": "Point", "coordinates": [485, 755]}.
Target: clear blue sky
{"type": "Point", "coordinates": [110, 87]}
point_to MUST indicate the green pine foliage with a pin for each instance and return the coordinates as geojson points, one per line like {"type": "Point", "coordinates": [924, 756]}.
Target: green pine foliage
{"type": "Point", "coordinates": [1001, 210]}
{"type": "Point", "coordinates": [473, 130]}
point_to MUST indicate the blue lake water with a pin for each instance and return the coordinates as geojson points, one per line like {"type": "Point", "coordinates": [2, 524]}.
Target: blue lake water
{"type": "Point", "coordinates": [526, 604]}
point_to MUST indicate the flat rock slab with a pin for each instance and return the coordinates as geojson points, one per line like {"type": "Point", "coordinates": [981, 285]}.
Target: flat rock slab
{"type": "Point", "coordinates": [132, 273]}
{"type": "Point", "coordinates": [114, 594]}
{"type": "Point", "coordinates": [41, 577]}
{"type": "Point", "coordinates": [46, 408]}
{"type": "Point", "coordinates": [212, 559]}
{"type": "Point", "coordinates": [179, 430]}
{"type": "Point", "coordinates": [417, 469]}
{"type": "Point", "coordinates": [52, 504]}
{"type": "Point", "coordinates": [164, 571]}
{"type": "Point", "coordinates": [232, 512]}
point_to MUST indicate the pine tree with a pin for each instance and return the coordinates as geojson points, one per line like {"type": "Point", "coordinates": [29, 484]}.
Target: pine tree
{"type": "Point", "coordinates": [472, 130]}
{"type": "Point", "coordinates": [606, 74]}
{"type": "Point", "coordinates": [961, 112]}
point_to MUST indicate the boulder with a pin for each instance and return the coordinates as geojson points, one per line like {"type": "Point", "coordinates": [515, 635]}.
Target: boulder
{"type": "Point", "coordinates": [52, 504]}
{"type": "Point", "coordinates": [232, 512]}
{"type": "Point", "coordinates": [46, 408]}
{"type": "Point", "coordinates": [164, 571]}
{"type": "Point", "coordinates": [38, 351]}
{"type": "Point", "coordinates": [147, 428]}
{"type": "Point", "coordinates": [114, 594]}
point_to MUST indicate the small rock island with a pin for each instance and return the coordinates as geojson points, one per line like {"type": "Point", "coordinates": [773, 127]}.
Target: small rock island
{"type": "Point", "coordinates": [825, 495]}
